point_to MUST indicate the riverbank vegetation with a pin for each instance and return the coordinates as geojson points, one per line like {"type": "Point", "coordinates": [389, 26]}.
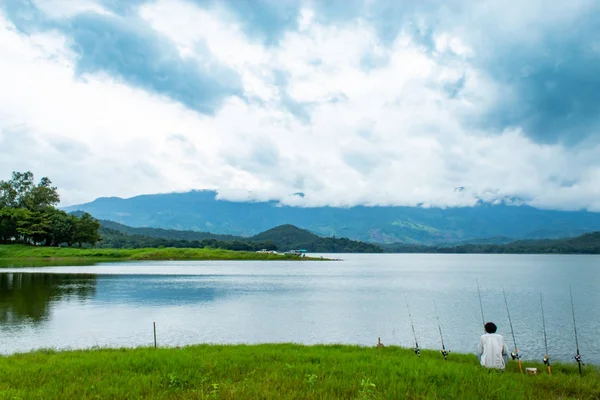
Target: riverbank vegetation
{"type": "Point", "coordinates": [279, 371]}
{"type": "Point", "coordinates": [37, 253]}
{"type": "Point", "coordinates": [28, 215]}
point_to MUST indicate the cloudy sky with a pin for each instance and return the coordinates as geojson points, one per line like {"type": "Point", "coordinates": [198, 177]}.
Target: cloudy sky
{"type": "Point", "coordinates": [349, 102]}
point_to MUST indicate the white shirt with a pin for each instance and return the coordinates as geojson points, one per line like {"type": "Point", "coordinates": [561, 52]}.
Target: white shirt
{"type": "Point", "coordinates": [493, 351]}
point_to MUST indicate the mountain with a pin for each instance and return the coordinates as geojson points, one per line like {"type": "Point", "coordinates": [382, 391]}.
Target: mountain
{"type": "Point", "coordinates": [165, 233]}
{"type": "Point", "coordinates": [286, 235]}
{"type": "Point", "coordinates": [201, 211]}
{"type": "Point", "coordinates": [588, 243]}
{"type": "Point", "coordinates": [291, 237]}
{"type": "Point", "coordinates": [282, 238]}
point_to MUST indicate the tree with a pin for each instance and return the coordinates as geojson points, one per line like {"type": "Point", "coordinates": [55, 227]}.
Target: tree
{"type": "Point", "coordinates": [13, 191]}
{"type": "Point", "coordinates": [42, 195]}
{"type": "Point", "coordinates": [87, 230]}
{"type": "Point", "coordinates": [21, 191]}
{"type": "Point", "coordinates": [35, 226]}
{"type": "Point", "coordinates": [62, 229]}
{"type": "Point", "coordinates": [10, 218]}
{"type": "Point", "coordinates": [28, 215]}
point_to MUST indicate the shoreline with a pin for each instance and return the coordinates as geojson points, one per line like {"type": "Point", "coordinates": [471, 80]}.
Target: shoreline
{"type": "Point", "coordinates": [40, 254]}
{"type": "Point", "coordinates": [274, 371]}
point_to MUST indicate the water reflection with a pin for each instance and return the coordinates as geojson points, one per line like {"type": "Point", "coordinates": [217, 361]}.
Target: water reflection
{"type": "Point", "coordinates": [27, 296]}
{"type": "Point", "coordinates": [20, 263]}
{"type": "Point", "coordinates": [159, 290]}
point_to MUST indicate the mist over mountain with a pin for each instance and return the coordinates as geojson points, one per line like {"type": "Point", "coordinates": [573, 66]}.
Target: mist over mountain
{"type": "Point", "coordinates": [201, 211]}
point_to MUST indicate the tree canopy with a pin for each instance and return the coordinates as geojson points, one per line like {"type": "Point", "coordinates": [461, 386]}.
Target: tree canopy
{"type": "Point", "coordinates": [28, 214]}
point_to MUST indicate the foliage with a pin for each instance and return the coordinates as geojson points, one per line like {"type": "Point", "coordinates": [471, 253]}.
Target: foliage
{"type": "Point", "coordinates": [279, 371]}
{"type": "Point", "coordinates": [16, 252]}
{"type": "Point", "coordinates": [22, 192]}
{"type": "Point", "coordinates": [28, 215]}
{"type": "Point", "coordinates": [285, 237]}
{"type": "Point", "coordinates": [114, 239]}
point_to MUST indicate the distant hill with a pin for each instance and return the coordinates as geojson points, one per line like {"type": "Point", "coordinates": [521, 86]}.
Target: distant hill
{"type": "Point", "coordinates": [201, 211]}
{"type": "Point", "coordinates": [165, 233]}
{"type": "Point", "coordinates": [588, 243]}
{"type": "Point", "coordinates": [291, 237]}
{"type": "Point", "coordinates": [287, 236]}
{"type": "Point", "coordinates": [112, 238]}
{"type": "Point", "coordinates": [282, 238]}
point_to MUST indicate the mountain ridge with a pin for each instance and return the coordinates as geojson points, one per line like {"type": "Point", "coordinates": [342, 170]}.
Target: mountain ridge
{"type": "Point", "coordinates": [201, 211]}
{"type": "Point", "coordinates": [288, 237]}
{"type": "Point", "coordinates": [284, 237]}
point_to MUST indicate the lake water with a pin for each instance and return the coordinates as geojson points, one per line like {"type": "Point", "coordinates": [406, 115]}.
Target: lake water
{"type": "Point", "coordinates": [354, 301]}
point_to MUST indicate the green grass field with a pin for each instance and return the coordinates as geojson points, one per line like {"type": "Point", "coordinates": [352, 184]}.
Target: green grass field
{"type": "Point", "coordinates": [279, 371]}
{"type": "Point", "coordinates": [23, 252]}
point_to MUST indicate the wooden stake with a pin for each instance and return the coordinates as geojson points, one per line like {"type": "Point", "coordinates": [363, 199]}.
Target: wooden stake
{"type": "Point", "coordinates": [154, 334]}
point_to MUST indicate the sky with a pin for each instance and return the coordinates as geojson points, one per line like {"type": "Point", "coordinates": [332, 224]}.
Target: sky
{"type": "Point", "coordinates": [432, 103]}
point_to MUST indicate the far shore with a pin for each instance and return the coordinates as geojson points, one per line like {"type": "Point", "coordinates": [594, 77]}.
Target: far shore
{"type": "Point", "coordinates": [24, 253]}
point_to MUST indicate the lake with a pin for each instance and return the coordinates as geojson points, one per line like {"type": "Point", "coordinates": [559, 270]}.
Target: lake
{"type": "Point", "coordinates": [353, 301]}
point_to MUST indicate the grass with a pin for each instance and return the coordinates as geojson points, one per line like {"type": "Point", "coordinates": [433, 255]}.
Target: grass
{"type": "Point", "coordinates": [33, 253]}
{"type": "Point", "coordinates": [278, 371]}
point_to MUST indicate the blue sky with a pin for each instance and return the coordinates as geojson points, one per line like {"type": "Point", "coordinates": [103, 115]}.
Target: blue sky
{"type": "Point", "coordinates": [349, 102]}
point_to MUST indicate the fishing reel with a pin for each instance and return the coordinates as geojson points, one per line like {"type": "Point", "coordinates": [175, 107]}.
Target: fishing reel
{"type": "Point", "coordinates": [515, 356]}
{"type": "Point", "coordinates": [578, 359]}
{"type": "Point", "coordinates": [445, 353]}
{"type": "Point", "coordinates": [546, 361]}
{"type": "Point", "coordinates": [417, 351]}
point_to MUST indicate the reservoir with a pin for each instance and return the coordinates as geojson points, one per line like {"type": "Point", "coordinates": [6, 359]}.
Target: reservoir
{"type": "Point", "coordinates": [353, 301]}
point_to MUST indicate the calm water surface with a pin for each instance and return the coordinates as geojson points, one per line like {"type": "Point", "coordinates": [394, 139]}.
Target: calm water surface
{"type": "Point", "coordinates": [352, 301]}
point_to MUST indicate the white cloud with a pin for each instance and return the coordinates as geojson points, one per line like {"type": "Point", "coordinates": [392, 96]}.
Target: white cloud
{"type": "Point", "coordinates": [192, 29]}
{"type": "Point", "coordinates": [69, 8]}
{"type": "Point", "coordinates": [389, 134]}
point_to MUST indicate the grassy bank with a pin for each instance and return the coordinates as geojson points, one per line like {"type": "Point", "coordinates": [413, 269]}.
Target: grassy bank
{"type": "Point", "coordinates": [276, 371]}
{"type": "Point", "coordinates": [33, 253]}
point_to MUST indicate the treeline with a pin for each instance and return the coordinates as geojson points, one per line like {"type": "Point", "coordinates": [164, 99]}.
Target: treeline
{"type": "Point", "coordinates": [338, 245]}
{"type": "Point", "coordinates": [28, 215]}
{"type": "Point", "coordinates": [588, 243]}
{"type": "Point", "coordinates": [281, 238]}
{"type": "Point", "coordinates": [112, 238]}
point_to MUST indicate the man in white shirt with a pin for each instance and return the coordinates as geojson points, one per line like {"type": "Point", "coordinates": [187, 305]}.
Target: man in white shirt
{"type": "Point", "coordinates": [492, 350]}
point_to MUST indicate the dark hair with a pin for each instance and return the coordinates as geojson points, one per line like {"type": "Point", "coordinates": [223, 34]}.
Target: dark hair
{"type": "Point", "coordinates": [490, 327]}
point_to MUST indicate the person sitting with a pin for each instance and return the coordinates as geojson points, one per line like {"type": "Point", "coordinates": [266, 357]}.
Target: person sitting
{"type": "Point", "coordinates": [492, 350]}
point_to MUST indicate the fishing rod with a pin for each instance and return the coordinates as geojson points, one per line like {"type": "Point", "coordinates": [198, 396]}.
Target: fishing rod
{"type": "Point", "coordinates": [577, 355]}
{"type": "Point", "coordinates": [480, 305]}
{"type": "Point", "coordinates": [437, 316]}
{"type": "Point", "coordinates": [515, 354]}
{"type": "Point", "coordinates": [416, 349]}
{"type": "Point", "coordinates": [547, 358]}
